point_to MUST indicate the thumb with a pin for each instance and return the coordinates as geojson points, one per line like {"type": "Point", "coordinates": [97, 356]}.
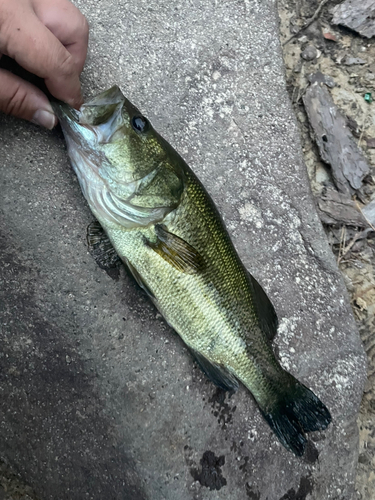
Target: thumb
{"type": "Point", "coordinates": [21, 99]}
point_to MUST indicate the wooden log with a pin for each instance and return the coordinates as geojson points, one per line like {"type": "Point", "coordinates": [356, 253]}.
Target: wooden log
{"type": "Point", "coordinates": [338, 209]}
{"type": "Point", "coordinates": [336, 144]}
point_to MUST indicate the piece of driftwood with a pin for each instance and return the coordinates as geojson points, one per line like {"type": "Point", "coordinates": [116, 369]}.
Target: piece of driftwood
{"type": "Point", "coordinates": [358, 15]}
{"type": "Point", "coordinates": [338, 208]}
{"type": "Point", "coordinates": [336, 144]}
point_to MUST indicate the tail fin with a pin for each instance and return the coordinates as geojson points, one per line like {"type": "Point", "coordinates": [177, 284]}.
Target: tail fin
{"type": "Point", "coordinates": [295, 412]}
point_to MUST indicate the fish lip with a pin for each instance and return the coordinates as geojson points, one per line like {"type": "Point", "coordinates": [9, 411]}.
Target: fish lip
{"type": "Point", "coordinates": [110, 96]}
{"type": "Point", "coordinates": [63, 110]}
{"type": "Point", "coordinates": [101, 108]}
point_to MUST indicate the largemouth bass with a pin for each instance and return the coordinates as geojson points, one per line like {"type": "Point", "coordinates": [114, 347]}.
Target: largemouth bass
{"type": "Point", "coordinates": [165, 227]}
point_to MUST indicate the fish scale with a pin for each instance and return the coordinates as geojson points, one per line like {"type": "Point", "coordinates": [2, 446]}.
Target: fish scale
{"type": "Point", "coordinates": [163, 224]}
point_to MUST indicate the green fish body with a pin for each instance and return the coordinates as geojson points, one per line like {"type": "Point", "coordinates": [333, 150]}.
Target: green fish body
{"type": "Point", "coordinates": [165, 227]}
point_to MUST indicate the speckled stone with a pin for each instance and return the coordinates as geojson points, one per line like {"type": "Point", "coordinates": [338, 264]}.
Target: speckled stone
{"type": "Point", "coordinates": [309, 53]}
{"type": "Point", "coordinates": [99, 398]}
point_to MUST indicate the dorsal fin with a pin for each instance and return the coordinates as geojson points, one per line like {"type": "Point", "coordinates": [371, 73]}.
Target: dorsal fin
{"type": "Point", "coordinates": [266, 312]}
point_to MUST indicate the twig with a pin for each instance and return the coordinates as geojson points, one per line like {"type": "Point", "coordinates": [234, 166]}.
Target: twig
{"type": "Point", "coordinates": [301, 92]}
{"type": "Point", "coordinates": [363, 126]}
{"type": "Point", "coordinates": [342, 243]}
{"type": "Point", "coordinates": [308, 22]}
{"type": "Point", "coordinates": [294, 91]}
{"type": "Point", "coordinates": [348, 247]}
{"type": "Point", "coordinates": [301, 77]}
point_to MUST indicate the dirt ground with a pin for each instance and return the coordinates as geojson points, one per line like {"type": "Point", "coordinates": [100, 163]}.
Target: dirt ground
{"type": "Point", "coordinates": [12, 487]}
{"type": "Point", "coordinates": [350, 60]}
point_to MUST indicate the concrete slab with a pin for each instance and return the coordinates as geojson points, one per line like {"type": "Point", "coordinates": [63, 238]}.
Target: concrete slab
{"type": "Point", "coordinates": [99, 398]}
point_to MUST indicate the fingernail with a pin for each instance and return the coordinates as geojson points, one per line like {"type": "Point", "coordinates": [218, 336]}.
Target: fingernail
{"type": "Point", "coordinates": [44, 118]}
{"type": "Point", "coordinates": [76, 103]}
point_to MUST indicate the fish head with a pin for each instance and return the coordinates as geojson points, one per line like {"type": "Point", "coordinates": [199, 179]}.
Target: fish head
{"type": "Point", "coordinates": [111, 127]}
{"type": "Point", "coordinates": [116, 154]}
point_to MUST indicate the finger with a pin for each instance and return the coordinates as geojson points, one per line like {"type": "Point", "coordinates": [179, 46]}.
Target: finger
{"type": "Point", "coordinates": [23, 100]}
{"type": "Point", "coordinates": [37, 50]}
{"type": "Point", "coordinates": [68, 25]}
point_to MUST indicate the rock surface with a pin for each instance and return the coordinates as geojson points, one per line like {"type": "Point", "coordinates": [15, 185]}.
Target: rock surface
{"type": "Point", "coordinates": [357, 15]}
{"type": "Point", "coordinates": [99, 398]}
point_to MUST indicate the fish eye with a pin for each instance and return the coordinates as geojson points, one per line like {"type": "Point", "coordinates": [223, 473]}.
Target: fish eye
{"type": "Point", "coordinates": [140, 124]}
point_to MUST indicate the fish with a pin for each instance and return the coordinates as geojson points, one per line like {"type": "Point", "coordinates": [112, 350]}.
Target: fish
{"type": "Point", "coordinates": [157, 217]}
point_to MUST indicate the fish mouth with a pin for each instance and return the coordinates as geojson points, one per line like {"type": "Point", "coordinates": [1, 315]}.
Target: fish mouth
{"type": "Point", "coordinates": [96, 120]}
{"type": "Point", "coordinates": [101, 108]}
{"type": "Point", "coordinates": [109, 96]}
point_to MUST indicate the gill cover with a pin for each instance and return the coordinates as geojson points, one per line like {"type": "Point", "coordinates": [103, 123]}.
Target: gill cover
{"type": "Point", "coordinates": [128, 173]}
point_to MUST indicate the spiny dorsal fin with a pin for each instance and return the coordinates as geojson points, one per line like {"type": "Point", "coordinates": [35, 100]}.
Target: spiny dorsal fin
{"type": "Point", "coordinates": [266, 312]}
{"type": "Point", "coordinates": [177, 252]}
{"type": "Point", "coordinates": [219, 375]}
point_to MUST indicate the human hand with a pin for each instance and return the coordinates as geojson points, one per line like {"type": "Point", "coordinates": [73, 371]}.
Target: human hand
{"type": "Point", "coordinates": [49, 39]}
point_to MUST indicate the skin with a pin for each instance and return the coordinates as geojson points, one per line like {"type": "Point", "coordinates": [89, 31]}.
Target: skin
{"type": "Point", "coordinates": [48, 38]}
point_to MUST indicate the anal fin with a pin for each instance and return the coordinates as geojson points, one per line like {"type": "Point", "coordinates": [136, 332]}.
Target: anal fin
{"type": "Point", "coordinates": [266, 312]}
{"type": "Point", "coordinates": [139, 280]}
{"type": "Point", "coordinates": [218, 374]}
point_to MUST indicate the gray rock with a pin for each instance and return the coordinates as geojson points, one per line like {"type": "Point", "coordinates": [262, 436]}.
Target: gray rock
{"type": "Point", "coordinates": [369, 212]}
{"type": "Point", "coordinates": [351, 61]}
{"type": "Point", "coordinates": [322, 78]}
{"type": "Point", "coordinates": [309, 53]}
{"type": "Point", "coordinates": [99, 398]}
{"type": "Point", "coordinates": [357, 15]}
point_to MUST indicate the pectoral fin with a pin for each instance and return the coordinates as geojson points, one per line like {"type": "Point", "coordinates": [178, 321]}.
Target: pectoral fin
{"type": "Point", "coordinates": [266, 312]}
{"type": "Point", "coordinates": [177, 252]}
{"type": "Point", "coordinates": [218, 374]}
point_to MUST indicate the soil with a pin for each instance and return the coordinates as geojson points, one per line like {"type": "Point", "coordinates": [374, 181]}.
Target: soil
{"type": "Point", "coordinates": [12, 487]}
{"type": "Point", "coordinates": [336, 48]}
